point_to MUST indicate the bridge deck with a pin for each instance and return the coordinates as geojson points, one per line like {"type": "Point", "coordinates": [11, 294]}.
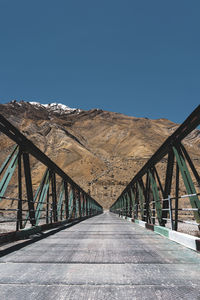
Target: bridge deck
{"type": "Point", "coordinates": [101, 258]}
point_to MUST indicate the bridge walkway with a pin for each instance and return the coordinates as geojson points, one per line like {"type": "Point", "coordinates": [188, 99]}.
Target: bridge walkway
{"type": "Point", "coordinates": [104, 257]}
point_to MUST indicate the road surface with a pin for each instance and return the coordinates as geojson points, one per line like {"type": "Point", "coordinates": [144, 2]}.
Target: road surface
{"type": "Point", "coordinates": [104, 257]}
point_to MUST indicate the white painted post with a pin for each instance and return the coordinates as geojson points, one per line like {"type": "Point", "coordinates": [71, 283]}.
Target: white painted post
{"type": "Point", "coordinates": [170, 212]}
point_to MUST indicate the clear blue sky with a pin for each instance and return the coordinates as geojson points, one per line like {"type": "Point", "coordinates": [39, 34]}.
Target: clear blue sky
{"type": "Point", "coordinates": [137, 57]}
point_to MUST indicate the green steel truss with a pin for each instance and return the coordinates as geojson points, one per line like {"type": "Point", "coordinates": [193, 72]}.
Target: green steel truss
{"type": "Point", "coordinates": [56, 198]}
{"type": "Point", "coordinates": [157, 199]}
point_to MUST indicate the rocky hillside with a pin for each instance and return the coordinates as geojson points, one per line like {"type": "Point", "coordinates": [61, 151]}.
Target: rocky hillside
{"type": "Point", "coordinates": [100, 150]}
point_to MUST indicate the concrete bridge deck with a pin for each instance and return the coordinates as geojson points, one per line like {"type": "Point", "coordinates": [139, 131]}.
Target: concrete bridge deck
{"type": "Point", "coordinates": [101, 258]}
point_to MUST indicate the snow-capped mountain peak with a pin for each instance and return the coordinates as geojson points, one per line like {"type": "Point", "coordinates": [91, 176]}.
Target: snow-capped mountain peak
{"type": "Point", "coordinates": [54, 107]}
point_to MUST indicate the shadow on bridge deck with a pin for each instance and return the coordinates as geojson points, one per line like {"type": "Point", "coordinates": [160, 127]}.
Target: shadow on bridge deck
{"type": "Point", "coordinates": [101, 258]}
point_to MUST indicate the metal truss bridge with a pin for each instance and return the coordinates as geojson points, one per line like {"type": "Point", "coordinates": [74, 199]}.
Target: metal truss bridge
{"type": "Point", "coordinates": [57, 242]}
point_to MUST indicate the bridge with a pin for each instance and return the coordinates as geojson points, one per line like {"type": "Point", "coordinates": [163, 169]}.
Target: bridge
{"type": "Point", "coordinates": [58, 243]}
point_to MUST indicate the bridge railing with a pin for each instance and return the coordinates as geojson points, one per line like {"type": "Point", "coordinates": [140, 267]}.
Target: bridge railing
{"type": "Point", "coordinates": [53, 198]}
{"type": "Point", "coordinates": [166, 190]}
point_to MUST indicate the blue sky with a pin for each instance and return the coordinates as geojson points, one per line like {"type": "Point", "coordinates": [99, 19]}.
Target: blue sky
{"type": "Point", "coordinates": [137, 57]}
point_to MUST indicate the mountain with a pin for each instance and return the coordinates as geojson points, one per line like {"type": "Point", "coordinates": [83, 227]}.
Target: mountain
{"type": "Point", "coordinates": [100, 150]}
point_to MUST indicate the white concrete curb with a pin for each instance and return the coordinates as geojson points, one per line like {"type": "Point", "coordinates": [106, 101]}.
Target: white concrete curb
{"type": "Point", "coordinates": [184, 239]}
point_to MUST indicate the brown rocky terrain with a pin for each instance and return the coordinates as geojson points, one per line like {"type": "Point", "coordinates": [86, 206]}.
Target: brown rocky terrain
{"type": "Point", "coordinates": [100, 150]}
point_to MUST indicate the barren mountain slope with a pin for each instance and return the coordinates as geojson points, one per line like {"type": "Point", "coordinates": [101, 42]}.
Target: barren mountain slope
{"type": "Point", "coordinates": [100, 150]}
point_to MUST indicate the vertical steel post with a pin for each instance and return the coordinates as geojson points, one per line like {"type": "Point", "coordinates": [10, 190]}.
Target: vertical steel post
{"type": "Point", "coordinates": [82, 204]}
{"type": "Point", "coordinates": [136, 201]}
{"type": "Point", "coordinates": [177, 199]}
{"type": "Point", "coordinates": [29, 189]}
{"type": "Point", "coordinates": [126, 205]}
{"type": "Point", "coordinates": [47, 207]}
{"type": "Point", "coordinates": [156, 197]}
{"type": "Point", "coordinates": [147, 197]}
{"type": "Point", "coordinates": [133, 203]}
{"type": "Point", "coordinates": [54, 197]}
{"type": "Point", "coordinates": [168, 183]}
{"type": "Point", "coordinates": [19, 209]}
{"type": "Point", "coordinates": [130, 203]}
{"type": "Point", "coordinates": [66, 200]}
{"type": "Point", "coordinates": [154, 212]}
{"type": "Point", "coordinates": [79, 204]}
{"type": "Point", "coordinates": [170, 212]}
{"type": "Point", "coordinates": [141, 200]}
{"type": "Point", "coordinates": [84, 212]}
{"type": "Point", "coordinates": [74, 203]}
{"type": "Point", "coordinates": [86, 206]}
